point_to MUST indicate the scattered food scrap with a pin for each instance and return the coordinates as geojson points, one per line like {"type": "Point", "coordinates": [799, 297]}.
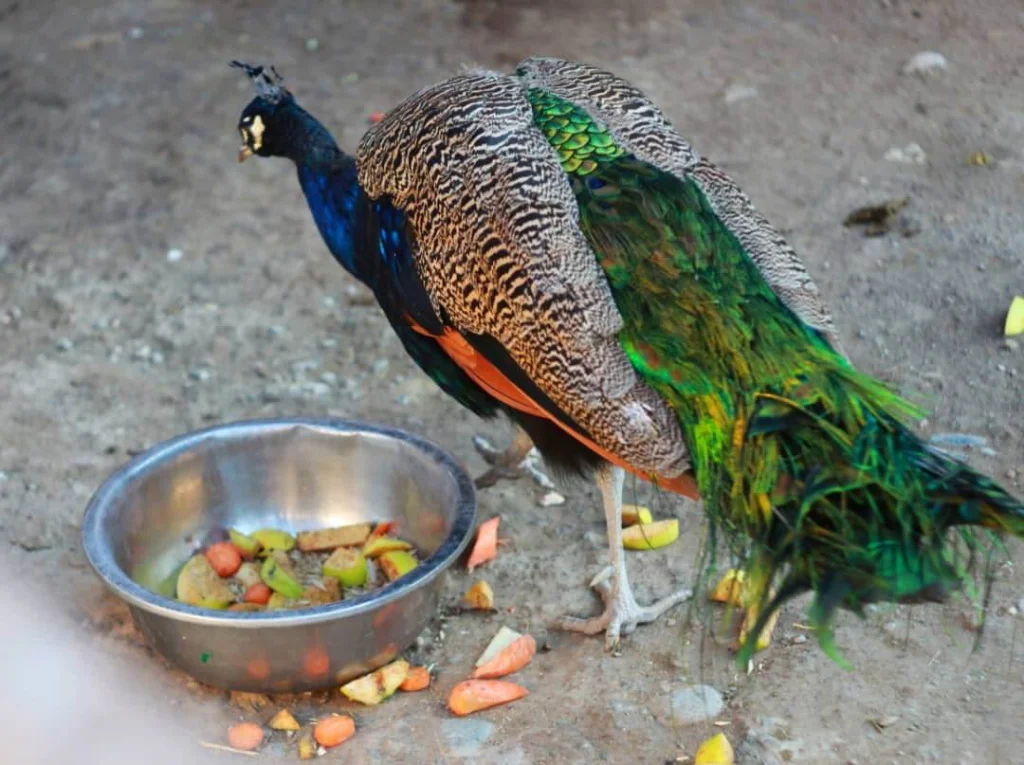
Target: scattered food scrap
{"type": "Point", "coordinates": [418, 679]}
{"type": "Point", "coordinates": [729, 588]}
{"type": "Point", "coordinates": [715, 751]}
{"type": "Point", "coordinates": [246, 736]}
{"type": "Point", "coordinates": [650, 536]}
{"type": "Point", "coordinates": [334, 730]}
{"type": "Point", "coordinates": [284, 720]}
{"type": "Point", "coordinates": [480, 596]}
{"type": "Point", "coordinates": [1015, 317]}
{"type": "Point", "coordinates": [373, 688]}
{"type": "Point", "coordinates": [879, 219]}
{"type": "Point", "coordinates": [486, 546]}
{"type": "Point", "coordinates": [633, 514]}
{"type": "Point", "coordinates": [511, 658]}
{"type": "Point", "coordinates": [473, 695]}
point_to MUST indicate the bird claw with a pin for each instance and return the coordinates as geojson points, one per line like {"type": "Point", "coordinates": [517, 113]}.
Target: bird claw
{"type": "Point", "coordinates": [520, 458]}
{"type": "Point", "coordinates": [621, 615]}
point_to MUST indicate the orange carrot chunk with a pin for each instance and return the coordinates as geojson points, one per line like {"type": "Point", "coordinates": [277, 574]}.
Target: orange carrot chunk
{"type": "Point", "coordinates": [334, 730]}
{"type": "Point", "coordinates": [257, 593]}
{"type": "Point", "coordinates": [486, 546]}
{"type": "Point", "coordinates": [418, 679]}
{"type": "Point", "coordinates": [224, 557]}
{"type": "Point", "coordinates": [382, 528]}
{"type": "Point", "coordinates": [246, 736]}
{"type": "Point", "coordinates": [473, 695]}
{"type": "Point", "coordinates": [511, 658]}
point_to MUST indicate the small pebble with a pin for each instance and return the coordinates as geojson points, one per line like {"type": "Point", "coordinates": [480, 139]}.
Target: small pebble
{"type": "Point", "coordinates": [551, 499]}
{"type": "Point", "coordinates": [1009, 344]}
{"type": "Point", "coordinates": [174, 255]}
{"type": "Point", "coordinates": [694, 704]}
{"type": "Point", "coordinates": [312, 45]}
{"type": "Point", "coordinates": [925, 61]}
{"type": "Point", "coordinates": [135, 33]}
{"type": "Point", "coordinates": [65, 344]}
{"type": "Point", "coordinates": [911, 154]}
{"type": "Point", "coordinates": [202, 375]}
{"type": "Point", "coordinates": [737, 92]}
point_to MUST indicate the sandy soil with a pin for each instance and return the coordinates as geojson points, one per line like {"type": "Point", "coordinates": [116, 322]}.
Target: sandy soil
{"type": "Point", "coordinates": [119, 144]}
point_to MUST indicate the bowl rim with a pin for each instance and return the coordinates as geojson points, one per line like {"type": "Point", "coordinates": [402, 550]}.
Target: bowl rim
{"type": "Point", "coordinates": [102, 561]}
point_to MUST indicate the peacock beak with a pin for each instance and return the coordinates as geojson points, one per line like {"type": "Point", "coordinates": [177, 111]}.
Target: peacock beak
{"type": "Point", "coordinates": [244, 153]}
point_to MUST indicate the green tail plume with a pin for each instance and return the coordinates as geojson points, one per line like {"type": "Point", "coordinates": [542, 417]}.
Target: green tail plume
{"type": "Point", "coordinates": [806, 466]}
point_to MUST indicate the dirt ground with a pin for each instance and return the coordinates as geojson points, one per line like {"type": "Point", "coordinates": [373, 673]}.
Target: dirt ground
{"type": "Point", "coordinates": [150, 285]}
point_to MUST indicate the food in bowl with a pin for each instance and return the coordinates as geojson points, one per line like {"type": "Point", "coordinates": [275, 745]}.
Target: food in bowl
{"type": "Point", "coordinates": [271, 569]}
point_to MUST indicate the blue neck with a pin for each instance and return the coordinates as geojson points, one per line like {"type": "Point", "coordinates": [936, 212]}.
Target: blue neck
{"type": "Point", "coordinates": [333, 193]}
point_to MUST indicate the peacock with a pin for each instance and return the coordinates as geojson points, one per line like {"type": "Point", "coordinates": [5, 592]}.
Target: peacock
{"type": "Point", "coordinates": [547, 246]}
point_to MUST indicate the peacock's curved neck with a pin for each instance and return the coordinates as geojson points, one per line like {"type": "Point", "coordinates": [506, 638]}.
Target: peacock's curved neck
{"type": "Point", "coordinates": [333, 193]}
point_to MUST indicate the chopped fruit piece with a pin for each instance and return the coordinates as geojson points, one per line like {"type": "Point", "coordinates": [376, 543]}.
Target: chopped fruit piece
{"type": "Point", "coordinates": [376, 547]}
{"type": "Point", "coordinates": [486, 545]}
{"type": "Point", "coordinates": [246, 736]}
{"type": "Point", "coordinates": [480, 596]}
{"type": "Point", "coordinates": [715, 751]}
{"type": "Point", "coordinates": [199, 585]}
{"type": "Point", "coordinates": [633, 514]}
{"type": "Point", "coordinates": [650, 536]}
{"type": "Point", "coordinates": [499, 643]}
{"type": "Point", "coordinates": [729, 588]}
{"type": "Point", "coordinates": [347, 566]}
{"type": "Point", "coordinates": [373, 688]}
{"type": "Point", "coordinates": [334, 730]}
{"type": "Point", "coordinates": [224, 557]}
{"type": "Point", "coordinates": [418, 679]}
{"type": "Point", "coordinates": [274, 539]}
{"type": "Point", "coordinates": [248, 574]}
{"type": "Point", "coordinates": [329, 539]}
{"type": "Point", "coordinates": [257, 593]}
{"type": "Point", "coordinates": [276, 576]}
{"type": "Point", "coordinates": [284, 720]}
{"type": "Point", "coordinates": [473, 695]}
{"type": "Point", "coordinates": [396, 563]}
{"type": "Point", "coordinates": [246, 545]}
{"type": "Point", "coordinates": [509, 659]}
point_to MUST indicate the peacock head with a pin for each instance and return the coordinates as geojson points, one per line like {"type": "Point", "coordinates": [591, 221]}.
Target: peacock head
{"type": "Point", "coordinates": [267, 124]}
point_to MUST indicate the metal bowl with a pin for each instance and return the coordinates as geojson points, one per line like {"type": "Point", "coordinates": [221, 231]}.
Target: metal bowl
{"type": "Point", "coordinates": [294, 474]}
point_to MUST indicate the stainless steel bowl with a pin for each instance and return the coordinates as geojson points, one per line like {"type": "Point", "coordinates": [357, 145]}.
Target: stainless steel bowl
{"type": "Point", "coordinates": [295, 474]}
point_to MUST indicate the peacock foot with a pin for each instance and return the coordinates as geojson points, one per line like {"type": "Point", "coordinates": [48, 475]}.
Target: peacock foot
{"type": "Point", "coordinates": [519, 459]}
{"type": "Point", "coordinates": [622, 614]}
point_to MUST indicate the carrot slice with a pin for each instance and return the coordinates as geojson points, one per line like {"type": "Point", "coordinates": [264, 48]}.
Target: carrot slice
{"type": "Point", "coordinates": [381, 529]}
{"type": "Point", "coordinates": [511, 658]}
{"type": "Point", "coordinates": [418, 679]}
{"type": "Point", "coordinates": [224, 557]}
{"type": "Point", "coordinates": [334, 730]}
{"type": "Point", "coordinates": [257, 593]}
{"type": "Point", "coordinates": [246, 736]}
{"type": "Point", "coordinates": [486, 546]}
{"type": "Point", "coordinates": [473, 695]}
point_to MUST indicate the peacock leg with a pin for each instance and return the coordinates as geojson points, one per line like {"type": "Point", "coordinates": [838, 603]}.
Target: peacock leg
{"type": "Point", "coordinates": [520, 457]}
{"type": "Point", "coordinates": [621, 613]}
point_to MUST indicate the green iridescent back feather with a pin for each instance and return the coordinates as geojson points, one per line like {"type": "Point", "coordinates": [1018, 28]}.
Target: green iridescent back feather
{"type": "Point", "coordinates": [804, 464]}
